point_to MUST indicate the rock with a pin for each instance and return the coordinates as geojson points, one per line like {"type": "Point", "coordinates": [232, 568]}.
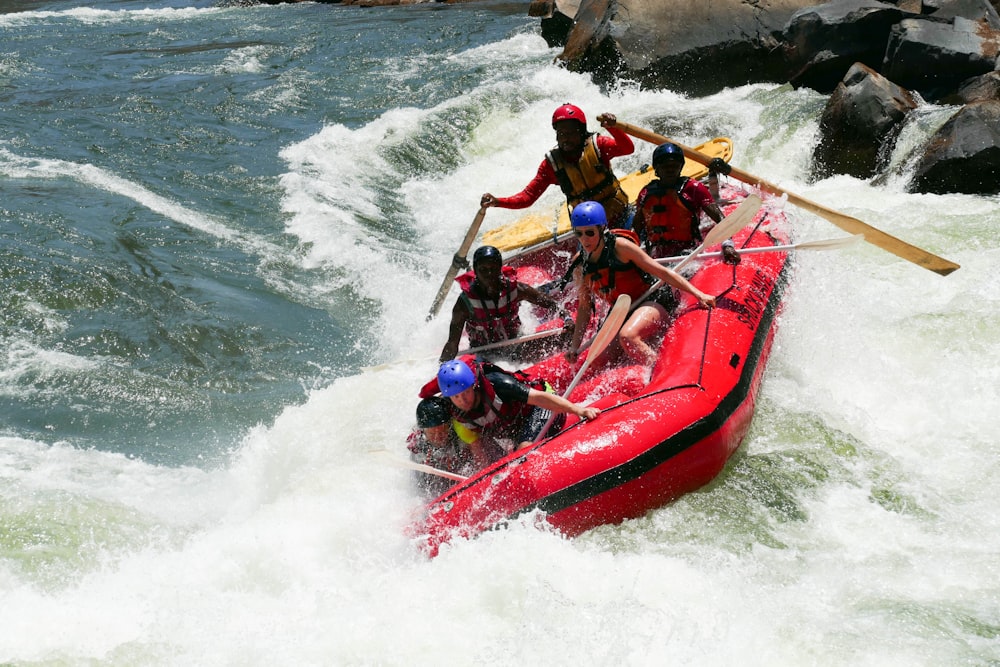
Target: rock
{"type": "Point", "coordinates": [934, 58]}
{"type": "Point", "coordinates": [977, 89]}
{"type": "Point", "coordinates": [860, 124]}
{"type": "Point", "coordinates": [964, 154]}
{"type": "Point", "coordinates": [823, 42]}
{"type": "Point", "coordinates": [974, 10]}
{"type": "Point", "coordinates": [692, 47]}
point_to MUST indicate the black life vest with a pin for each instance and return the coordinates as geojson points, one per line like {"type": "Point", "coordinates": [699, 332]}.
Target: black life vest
{"type": "Point", "coordinates": [493, 413]}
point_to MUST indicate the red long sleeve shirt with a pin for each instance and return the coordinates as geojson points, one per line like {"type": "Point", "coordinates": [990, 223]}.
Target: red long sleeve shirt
{"type": "Point", "coordinates": [616, 145]}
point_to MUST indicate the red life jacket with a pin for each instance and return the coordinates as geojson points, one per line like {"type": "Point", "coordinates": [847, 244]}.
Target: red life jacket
{"type": "Point", "coordinates": [493, 413]}
{"type": "Point", "coordinates": [611, 277]}
{"type": "Point", "coordinates": [491, 321]}
{"type": "Point", "coordinates": [670, 217]}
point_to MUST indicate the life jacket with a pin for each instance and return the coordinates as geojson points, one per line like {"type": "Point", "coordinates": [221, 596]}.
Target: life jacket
{"type": "Point", "coordinates": [670, 217]}
{"type": "Point", "coordinates": [578, 260]}
{"type": "Point", "coordinates": [493, 413]}
{"type": "Point", "coordinates": [491, 321]}
{"type": "Point", "coordinates": [589, 179]}
{"type": "Point", "coordinates": [452, 457]}
{"type": "Point", "coordinates": [610, 277]}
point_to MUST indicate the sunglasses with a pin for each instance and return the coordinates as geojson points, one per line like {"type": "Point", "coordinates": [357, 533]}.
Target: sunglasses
{"type": "Point", "coordinates": [589, 231]}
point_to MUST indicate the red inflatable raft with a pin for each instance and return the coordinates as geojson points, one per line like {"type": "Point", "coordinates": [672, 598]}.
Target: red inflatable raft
{"type": "Point", "coordinates": [653, 441]}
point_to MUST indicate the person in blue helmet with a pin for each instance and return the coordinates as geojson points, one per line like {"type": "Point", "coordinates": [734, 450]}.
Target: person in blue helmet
{"type": "Point", "coordinates": [668, 210]}
{"type": "Point", "coordinates": [488, 309]}
{"type": "Point", "coordinates": [610, 265]}
{"type": "Point", "coordinates": [503, 409]}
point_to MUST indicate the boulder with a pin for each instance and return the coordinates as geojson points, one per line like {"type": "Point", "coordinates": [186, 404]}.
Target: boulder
{"type": "Point", "coordinates": [935, 58]}
{"type": "Point", "coordinates": [977, 89]}
{"type": "Point", "coordinates": [860, 124]}
{"type": "Point", "coordinates": [823, 42]}
{"type": "Point", "coordinates": [692, 47]}
{"type": "Point", "coordinates": [974, 10]}
{"type": "Point", "coordinates": [963, 155]}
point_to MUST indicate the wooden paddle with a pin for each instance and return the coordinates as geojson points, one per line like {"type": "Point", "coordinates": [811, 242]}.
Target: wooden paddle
{"type": "Point", "coordinates": [457, 262]}
{"type": "Point", "coordinates": [824, 244]}
{"type": "Point", "coordinates": [612, 323]}
{"type": "Point", "coordinates": [389, 457]}
{"type": "Point", "coordinates": [851, 225]}
{"type": "Point", "coordinates": [538, 335]}
{"type": "Point", "coordinates": [729, 225]}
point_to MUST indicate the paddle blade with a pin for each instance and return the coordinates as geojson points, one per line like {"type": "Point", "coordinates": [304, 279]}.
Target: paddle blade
{"type": "Point", "coordinates": [725, 228]}
{"type": "Point", "coordinates": [457, 262]}
{"type": "Point", "coordinates": [830, 244]}
{"type": "Point", "coordinates": [735, 221]}
{"type": "Point", "coordinates": [612, 323]}
{"type": "Point", "coordinates": [876, 237]}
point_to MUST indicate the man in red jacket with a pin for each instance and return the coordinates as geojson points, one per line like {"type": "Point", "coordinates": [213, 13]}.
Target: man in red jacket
{"type": "Point", "coordinates": [580, 164]}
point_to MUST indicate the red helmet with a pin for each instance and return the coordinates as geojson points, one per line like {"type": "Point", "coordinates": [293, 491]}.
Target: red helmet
{"type": "Point", "coordinates": [569, 112]}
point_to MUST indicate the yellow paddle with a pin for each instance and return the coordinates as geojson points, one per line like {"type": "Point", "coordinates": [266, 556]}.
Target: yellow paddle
{"type": "Point", "coordinates": [851, 225]}
{"type": "Point", "coordinates": [457, 262]}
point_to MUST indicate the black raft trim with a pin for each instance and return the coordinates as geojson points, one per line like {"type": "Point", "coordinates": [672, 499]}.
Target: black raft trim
{"type": "Point", "coordinates": [688, 437]}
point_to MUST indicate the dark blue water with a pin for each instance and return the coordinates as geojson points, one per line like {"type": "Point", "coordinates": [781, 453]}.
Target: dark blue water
{"type": "Point", "coordinates": [144, 236]}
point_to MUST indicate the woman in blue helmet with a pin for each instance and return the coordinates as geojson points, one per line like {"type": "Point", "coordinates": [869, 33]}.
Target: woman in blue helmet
{"type": "Point", "coordinates": [614, 265]}
{"type": "Point", "coordinates": [668, 210]}
{"type": "Point", "coordinates": [505, 409]}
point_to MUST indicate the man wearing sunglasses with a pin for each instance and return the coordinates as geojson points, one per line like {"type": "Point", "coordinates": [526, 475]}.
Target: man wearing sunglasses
{"type": "Point", "coordinates": [580, 163]}
{"type": "Point", "coordinates": [613, 265]}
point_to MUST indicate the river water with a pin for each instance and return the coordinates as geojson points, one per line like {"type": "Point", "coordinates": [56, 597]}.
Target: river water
{"type": "Point", "coordinates": [215, 220]}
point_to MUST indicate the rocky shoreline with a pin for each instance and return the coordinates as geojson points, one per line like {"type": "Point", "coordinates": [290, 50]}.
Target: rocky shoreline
{"type": "Point", "coordinates": [877, 61]}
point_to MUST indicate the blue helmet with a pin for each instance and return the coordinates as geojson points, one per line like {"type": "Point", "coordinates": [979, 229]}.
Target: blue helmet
{"type": "Point", "coordinates": [588, 214]}
{"type": "Point", "coordinates": [667, 152]}
{"type": "Point", "coordinates": [454, 377]}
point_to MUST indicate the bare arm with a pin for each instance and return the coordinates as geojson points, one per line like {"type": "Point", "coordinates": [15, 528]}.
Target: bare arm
{"type": "Point", "coordinates": [557, 403]}
{"type": "Point", "coordinates": [458, 317]}
{"type": "Point", "coordinates": [713, 211]}
{"type": "Point", "coordinates": [537, 297]}
{"type": "Point", "coordinates": [532, 295]}
{"type": "Point", "coordinates": [628, 251]}
{"type": "Point", "coordinates": [584, 307]}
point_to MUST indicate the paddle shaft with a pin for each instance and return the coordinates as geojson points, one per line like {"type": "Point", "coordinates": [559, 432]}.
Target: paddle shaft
{"type": "Point", "coordinates": [389, 457]}
{"type": "Point", "coordinates": [613, 322]}
{"type": "Point", "coordinates": [851, 225]}
{"type": "Point", "coordinates": [725, 228]}
{"type": "Point", "coordinates": [457, 262]}
{"type": "Point", "coordinates": [825, 244]}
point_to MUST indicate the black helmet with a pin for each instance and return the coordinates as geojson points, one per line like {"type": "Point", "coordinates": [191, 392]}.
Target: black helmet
{"type": "Point", "coordinates": [486, 252]}
{"type": "Point", "coordinates": [433, 411]}
{"type": "Point", "coordinates": [665, 152]}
